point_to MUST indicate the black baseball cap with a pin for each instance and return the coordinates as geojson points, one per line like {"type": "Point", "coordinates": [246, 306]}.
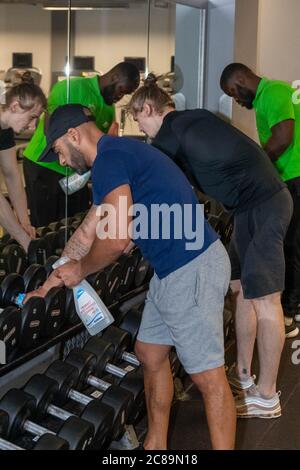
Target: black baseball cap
{"type": "Point", "coordinates": [64, 118]}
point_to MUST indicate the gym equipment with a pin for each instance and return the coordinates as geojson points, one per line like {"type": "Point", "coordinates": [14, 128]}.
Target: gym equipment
{"type": "Point", "coordinates": [19, 406]}
{"type": "Point", "coordinates": [130, 321]}
{"type": "Point", "coordinates": [55, 316]}
{"type": "Point", "coordinates": [87, 363]}
{"type": "Point", "coordinates": [32, 314]}
{"type": "Point", "coordinates": [141, 272]}
{"type": "Point", "coordinates": [128, 264]}
{"type": "Point", "coordinates": [100, 415]}
{"type": "Point", "coordinates": [71, 315]}
{"type": "Point", "coordinates": [45, 442]}
{"type": "Point", "coordinates": [34, 277]}
{"type": "Point", "coordinates": [99, 282]}
{"type": "Point", "coordinates": [67, 378]}
{"type": "Point", "coordinates": [49, 263]}
{"type": "Point", "coordinates": [121, 341]}
{"type": "Point", "coordinates": [13, 259]}
{"type": "Point", "coordinates": [10, 327]}
{"type": "Point", "coordinates": [114, 275]}
{"type": "Point", "coordinates": [37, 251]}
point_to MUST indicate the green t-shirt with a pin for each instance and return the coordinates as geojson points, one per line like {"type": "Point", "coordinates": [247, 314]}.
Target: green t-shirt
{"type": "Point", "coordinates": [273, 104]}
{"type": "Point", "coordinates": [83, 91]}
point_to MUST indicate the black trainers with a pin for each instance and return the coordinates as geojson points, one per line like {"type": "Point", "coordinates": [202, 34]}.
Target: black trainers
{"type": "Point", "coordinates": [291, 329]}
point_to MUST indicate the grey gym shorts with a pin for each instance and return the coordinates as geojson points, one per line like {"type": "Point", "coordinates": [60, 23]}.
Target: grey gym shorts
{"type": "Point", "coordinates": [185, 310]}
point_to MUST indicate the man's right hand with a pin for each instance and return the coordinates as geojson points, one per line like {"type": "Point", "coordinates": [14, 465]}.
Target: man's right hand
{"type": "Point", "coordinates": [52, 281]}
{"type": "Point", "coordinates": [40, 292]}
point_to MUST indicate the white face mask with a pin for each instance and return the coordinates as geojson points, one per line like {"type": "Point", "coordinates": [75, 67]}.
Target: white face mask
{"type": "Point", "coordinates": [74, 183]}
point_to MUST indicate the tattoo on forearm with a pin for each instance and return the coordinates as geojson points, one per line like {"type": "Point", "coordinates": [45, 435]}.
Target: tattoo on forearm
{"type": "Point", "coordinates": [80, 243]}
{"type": "Point", "coordinates": [75, 249]}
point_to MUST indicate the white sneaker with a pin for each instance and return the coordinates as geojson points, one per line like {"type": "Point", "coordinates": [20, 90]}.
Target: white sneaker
{"type": "Point", "coordinates": [239, 385]}
{"type": "Point", "coordinates": [253, 405]}
{"type": "Point", "coordinates": [291, 329]}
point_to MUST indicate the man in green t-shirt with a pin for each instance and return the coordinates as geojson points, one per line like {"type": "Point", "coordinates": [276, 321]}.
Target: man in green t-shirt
{"type": "Point", "coordinates": [46, 200]}
{"type": "Point", "coordinates": [278, 126]}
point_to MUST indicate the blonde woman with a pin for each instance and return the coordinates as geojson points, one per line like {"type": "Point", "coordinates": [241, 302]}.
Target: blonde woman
{"type": "Point", "coordinates": [24, 103]}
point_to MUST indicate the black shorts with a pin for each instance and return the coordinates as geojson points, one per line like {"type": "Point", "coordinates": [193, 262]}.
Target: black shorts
{"type": "Point", "coordinates": [257, 247]}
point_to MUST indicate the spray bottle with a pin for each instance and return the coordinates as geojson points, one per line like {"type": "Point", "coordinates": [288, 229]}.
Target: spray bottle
{"type": "Point", "coordinates": [74, 183]}
{"type": "Point", "coordinates": [90, 308]}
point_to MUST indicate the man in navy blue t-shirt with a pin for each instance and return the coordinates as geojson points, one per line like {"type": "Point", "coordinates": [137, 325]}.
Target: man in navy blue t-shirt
{"type": "Point", "coordinates": [141, 195]}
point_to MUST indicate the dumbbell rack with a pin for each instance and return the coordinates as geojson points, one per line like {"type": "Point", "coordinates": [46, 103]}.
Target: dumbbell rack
{"type": "Point", "coordinates": [22, 357]}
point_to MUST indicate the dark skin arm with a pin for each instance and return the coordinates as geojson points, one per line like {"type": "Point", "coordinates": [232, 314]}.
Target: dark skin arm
{"type": "Point", "coordinates": [281, 138]}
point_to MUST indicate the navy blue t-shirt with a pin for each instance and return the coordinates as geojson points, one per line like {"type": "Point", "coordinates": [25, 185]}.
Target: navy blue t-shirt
{"type": "Point", "coordinates": [167, 241]}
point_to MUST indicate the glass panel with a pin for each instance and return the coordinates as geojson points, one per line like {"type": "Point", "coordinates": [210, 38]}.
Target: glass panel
{"type": "Point", "coordinates": [32, 39]}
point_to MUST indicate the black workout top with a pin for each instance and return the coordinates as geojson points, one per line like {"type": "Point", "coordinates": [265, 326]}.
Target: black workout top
{"type": "Point", "coordinates": [222, 161]}
{"type": "Point", "coordinates": [7, 139]}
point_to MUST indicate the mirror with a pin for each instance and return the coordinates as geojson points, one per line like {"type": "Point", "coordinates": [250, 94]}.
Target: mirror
{"type": "Point", "coordinates": [65, 40]}
{"type": "Point", "coordinates": [33, 39]}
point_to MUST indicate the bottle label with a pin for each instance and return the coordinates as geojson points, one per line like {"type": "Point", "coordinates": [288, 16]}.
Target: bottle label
{"type": "Point", "coordinates": [90, 312]}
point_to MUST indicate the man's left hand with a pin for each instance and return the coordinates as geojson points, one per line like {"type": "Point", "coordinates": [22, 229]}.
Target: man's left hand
{"type": "Point", "coordinates": [70, 273]}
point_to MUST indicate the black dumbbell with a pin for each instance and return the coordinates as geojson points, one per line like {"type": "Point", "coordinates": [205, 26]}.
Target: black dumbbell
{"type": "Point", "coordinates": [227, 222]}
{"type": "Point", "coordinates": [66, 222]}
{"type": "Point", "coordinates": [20, 406]}
{"type": "Point", "coordinates": [45, 442]}
{"type": "Point", "coordinates": [42, 231]}
{"type": "Point", "coordinates": [13, 259]}
{"type": "Point", "coordinates": [44, 389]}
{"type": "Point", "coordinates": [5, 239]}
{"type": "Point", "coordinates": [71, 316]}
{"type": "Point", "coordinates": [141, 272]}
{"type": "Point", "coordinates": [55, 226]}
{"type": "Point", "coordinates": [121, 341]}
{"type": "Point", "coordinates": [50, 308]}
{"type": "Point", "coordinates": [10, 327]}
{"type": "Point", "coordinates": [34, 277]}
{"type": "Point", "coordinates": [130, 321]}
{"type": "Point", "coordinates": [37, 252]}
{"type": "Point", "coordinates": [49, 264]}
{"type": "Point", "coordinates": [206, 207]}
{"type": "Point", "coordinates": [99, 282]}
{"type": "Point", "coordinates": [51, 242]}
{"type": "Point", "coordinates": [128, 264]}
{"type": "Point", "coordinates": [32, 314]}
{"type": "Point", "coordinates": [67, 378]}
{"type": "Point", "coordinates": [63, 235]}
{"type": "Point", "coordinates": [88, 364]}
{"type": "Point", "coordinates": [114, 274]}
{"type": "Point", "coordinates": [55, 312]}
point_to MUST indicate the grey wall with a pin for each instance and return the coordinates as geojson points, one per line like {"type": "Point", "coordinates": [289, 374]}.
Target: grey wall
{"type": "Point", "coordinates": [220, 47]}
{"type": "Point", "coordinates": [204, 46]}
{"type": "Point", "coordinates": [189, 53]}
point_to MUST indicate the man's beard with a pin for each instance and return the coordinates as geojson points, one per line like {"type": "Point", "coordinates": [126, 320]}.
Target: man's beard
{"type": "Point", "coordinates": [246, 96]}
{"type": "Point", "coordinates": [108, 94]}
{"type": "Point", "coordinates": [77, 160]}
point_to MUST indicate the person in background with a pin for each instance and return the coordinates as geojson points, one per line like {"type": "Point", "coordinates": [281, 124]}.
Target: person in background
{"type": "Point", "coordinates": [278, 126]}
{"type": "Point", "coordinates": [46, 199]}
{"type": "Point", "coordinates": [23, 104]}
{"type": "Point", "coordinates": [234, 170]}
